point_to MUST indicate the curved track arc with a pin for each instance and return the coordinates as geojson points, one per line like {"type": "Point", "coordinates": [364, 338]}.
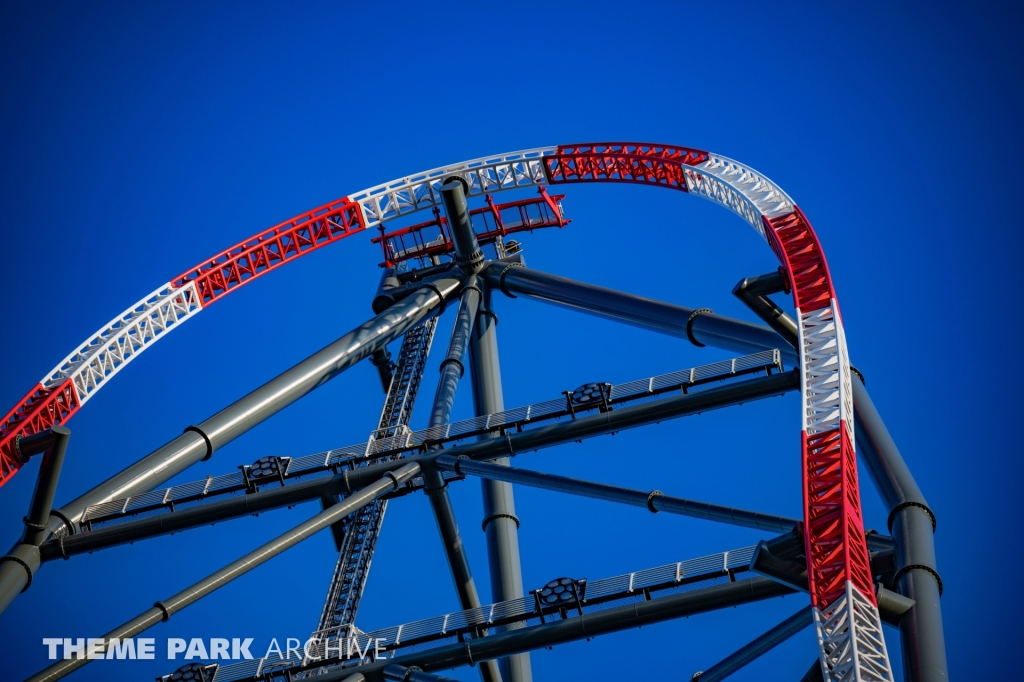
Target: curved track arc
{"type": "Point", "coordinates": [839, 574]}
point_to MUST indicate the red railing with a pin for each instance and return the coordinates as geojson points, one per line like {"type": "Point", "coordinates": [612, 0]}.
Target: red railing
{"type": "Point", "coordinates": [489, 222]}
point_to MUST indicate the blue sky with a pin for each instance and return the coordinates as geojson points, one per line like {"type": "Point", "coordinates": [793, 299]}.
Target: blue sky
{"type": "Point", "coordinates": [140, 139]}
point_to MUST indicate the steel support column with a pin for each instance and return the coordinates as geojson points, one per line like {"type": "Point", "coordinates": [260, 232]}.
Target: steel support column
{"type": "Point", "coordinates": [500, 521]}
{"type": "Point", "coordinates": [19, 565]}
{"type": "Point", "coordinates": [433, 483]}
{"type": "Point", "coordinates": [912, 524]}
{"type": "Point", "coordinates": [163, 610]}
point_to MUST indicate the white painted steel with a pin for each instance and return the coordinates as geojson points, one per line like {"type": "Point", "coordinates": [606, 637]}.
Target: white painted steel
{"type": "Point", "coordinates": [850, 640]}
{"type": "Point", "coordinates": [109, 350]}
{"type": "Point", "coordinates": [485, 175]}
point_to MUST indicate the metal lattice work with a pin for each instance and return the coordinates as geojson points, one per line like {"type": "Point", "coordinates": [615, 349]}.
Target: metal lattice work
{"type": "Point", "coordinates": [362, 528]}
{"type": "Point", "coordinates": [853, 581]}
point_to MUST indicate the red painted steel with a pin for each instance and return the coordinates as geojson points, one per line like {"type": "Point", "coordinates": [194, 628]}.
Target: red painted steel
{"type": "Point", "coordinates": [646, 164]}
{"type": "Point", "coordinates": [833, 527]}
{"type": "Point", "coordinates": [526, 215]}
{"type": "Point", "coordinates": [797, 247]}
{"type": "Point", "coordinates": [256, 256]}
{"type": "Point", "coordinates": [38, 411]}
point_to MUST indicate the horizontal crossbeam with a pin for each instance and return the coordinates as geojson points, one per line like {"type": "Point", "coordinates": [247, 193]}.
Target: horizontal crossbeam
{"type": "Point", "coordinates": [344, 482]}
{"type": "Point", "coordinates": [655, 500]}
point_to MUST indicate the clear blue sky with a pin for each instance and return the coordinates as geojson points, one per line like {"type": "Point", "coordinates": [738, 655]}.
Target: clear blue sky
{"type": "Point", "coordinates": [139, 139]}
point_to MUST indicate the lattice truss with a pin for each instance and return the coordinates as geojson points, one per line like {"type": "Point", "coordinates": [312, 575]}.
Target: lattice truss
{"type": "Point", "coordinates": [847, 618]}
{"type": "Point", "coordinates": [362, 528]}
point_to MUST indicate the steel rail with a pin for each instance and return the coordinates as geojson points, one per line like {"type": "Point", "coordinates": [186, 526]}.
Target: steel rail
{"type": "Point", "coordinates": [347, 481]}
{"type": "Point", "coordinates": [391, 442]}
{"type": "Point", "coordinates": [579, 627]}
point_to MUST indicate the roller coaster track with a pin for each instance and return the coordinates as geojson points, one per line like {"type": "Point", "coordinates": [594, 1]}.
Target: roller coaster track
{"type": "Point", "coordinates": [845, 610]}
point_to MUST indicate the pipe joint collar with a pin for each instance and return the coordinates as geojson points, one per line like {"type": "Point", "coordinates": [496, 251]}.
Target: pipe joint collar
{"type": "Point", "coordinates": [501, 279]}
{"type": "Point", "coordinates": [495, 517]}
{"type": "Point", "coordinates": [23, 564]}
{"type": "Point", "coordinates": [927, 569]}
{"type": "Point", "coordinates": [689, 326]}
{"type": "Point", "coordinates": [903, 505]}
{"type": "Point", "coordinates": [209, 445]}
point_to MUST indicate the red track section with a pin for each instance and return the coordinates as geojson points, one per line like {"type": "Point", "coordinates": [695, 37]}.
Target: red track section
{"type": "Point", "coordinates": [646, 164]}
{"type": "Point", "coordinates": [38, 411]}
{"type": "Point", "coordinates": [796, 245]}
{"type": "Point", "coordinates": [836, 548]}
{"type": "Point", "coordinates": [258, 255]}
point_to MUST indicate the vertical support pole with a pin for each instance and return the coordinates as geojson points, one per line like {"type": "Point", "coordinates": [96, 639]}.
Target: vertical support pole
{"type": "Point", "coordinates": [18, 566]}
{"type": "Point", "coordinates": [467, 249]}
{"type": "Point", "coordinates": [912, 524]}
{"type": "Point", "coordinates": [433, 482]}
{"type": "Point", "coordinates": [500, 521]}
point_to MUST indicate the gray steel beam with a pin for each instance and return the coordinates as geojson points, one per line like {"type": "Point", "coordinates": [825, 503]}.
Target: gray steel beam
{"type": "Point", "coordinates": [698, 325]}
{"type": "Point", "coordinates": [754, 291]}
{"type": "Point", "coordinates": [201, 441]}
{"type": "Point", "coordinates": [912, 524]}
{"type": "Point", "coordinates": [911, 520]}
{"type": "Point", "coordinates": [163, 610]}
{"type": "Point", "coordinates": [576, 628]}
{"type": "Point", "coordinates": [492, 448]}
{"type": "Point", "coordinates": [500, 523]}
{"type": "Point", "coordinates": [440, 414]}
{"type": "Point", "coordinates": [654, 501]}
{"type": "Point", "coordinates": [757, 647]}
{"type": "Point", "coordinates": [19, 565]}
{"type": "Point", "coordinates": [467, 249]}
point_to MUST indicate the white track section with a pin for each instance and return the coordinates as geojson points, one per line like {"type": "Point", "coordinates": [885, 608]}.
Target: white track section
{"type": "Point", "coordinates": [739, 188]}
{"type": "Point", "coordinates": [862, 658]}
{"type": "Point", "coordinates": [485, 175]}
{"type": "Point", "coordinates": [825, 372]}
{"type": "Point", "coordinates": [108, 351]}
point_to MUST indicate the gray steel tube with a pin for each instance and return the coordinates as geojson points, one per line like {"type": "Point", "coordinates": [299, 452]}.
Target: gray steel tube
{"type": "Point", "coordinates": [492, 448]}
{"type": "Point", "coordinates": [588, 625]}
{"type": "Point", "coordinates": [467, 249]}
{"type": "Point", "coordinates": [500, 521]}
{"type": "Point", "coordinates": [654, 501]}
{"type": "Point", "coordinates": [912, 524]}
{"type": "Point", "coordinates": [46, 486]}
{"type": "Point", "coordinates": [163, 610]}
{"type": "Point", "coordinates": [21, 563]}
{"type": "Point", "coordinates": [756, 648]}
{"type": "Point", "coordinates": [275, 395]}
{"type": "Point", "coordinates": [17, 568]}
{"type": "Point", "coordinates": [452, 367]}
{"type": "Point", "coordinates": [707, 328]}
{"type": "Point", "coordinates": [754, 291]}
{"type": "Point", "coordinates": [433, 483]}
